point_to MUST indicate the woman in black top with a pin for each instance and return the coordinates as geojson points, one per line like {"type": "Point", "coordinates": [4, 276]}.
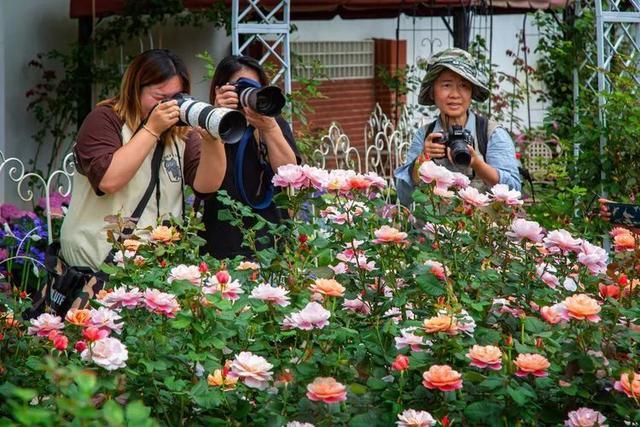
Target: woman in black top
{"type": "Point", "coordinates": [276, 147]}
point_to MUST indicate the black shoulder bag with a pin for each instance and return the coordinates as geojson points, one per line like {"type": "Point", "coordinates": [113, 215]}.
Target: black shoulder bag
{"type": "Point", "coordinates": [69, 286]}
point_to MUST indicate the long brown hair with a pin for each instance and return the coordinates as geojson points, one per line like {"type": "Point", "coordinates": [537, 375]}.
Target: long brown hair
{"type": "Point", "coordinates": [152, 67]}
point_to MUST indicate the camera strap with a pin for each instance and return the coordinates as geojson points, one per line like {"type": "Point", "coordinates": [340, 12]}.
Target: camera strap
{"type": "Point", "coordinates": [239, 170]}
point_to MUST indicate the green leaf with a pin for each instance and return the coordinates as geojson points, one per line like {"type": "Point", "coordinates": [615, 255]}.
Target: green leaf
{"type": "Point", "coordinates": [364, 420]}
{"type": "Point", "coordinates": [137, 413]}
{"type": "Point", "coordinates": [358, 389]}
{"type": "Point", "coordinates": [376, 384]}
{"type": "Point", "coordinates": [517, 395]}
{"type": "Point", "coordinates": [113, 413]}
{"type": "Point", "coordinates": [180, 323]}
{"type": "Point", "coordinates": [483, 410]}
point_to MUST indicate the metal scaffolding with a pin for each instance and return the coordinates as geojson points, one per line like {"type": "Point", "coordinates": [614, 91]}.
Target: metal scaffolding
{"type": "Point", "coordinates": [270, 28]}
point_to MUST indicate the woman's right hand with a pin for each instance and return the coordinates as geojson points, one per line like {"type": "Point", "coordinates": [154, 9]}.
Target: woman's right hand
{"type": "Point", "coordinates": [165, 115]}
{"type": "Point", "coordinates": [604, 211]}
{"type": "Point", "coordinates": [227, 97]}
{"type": "Point", "coordinates": [433, 149]}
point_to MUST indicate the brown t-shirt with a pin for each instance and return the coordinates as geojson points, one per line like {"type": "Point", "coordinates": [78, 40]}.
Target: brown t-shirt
{"type": "Point", "coordinates": [83, 235]}
{"type": "Point", "coordinates": [101, 135]}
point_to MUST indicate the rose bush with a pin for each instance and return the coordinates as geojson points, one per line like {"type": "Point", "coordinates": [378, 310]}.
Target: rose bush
{"type": "Point", "coordinates": [456, 312]}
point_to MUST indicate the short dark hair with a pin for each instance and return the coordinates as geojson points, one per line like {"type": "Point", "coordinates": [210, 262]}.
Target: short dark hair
{"type": "Point", "coordinates": [229, 66]}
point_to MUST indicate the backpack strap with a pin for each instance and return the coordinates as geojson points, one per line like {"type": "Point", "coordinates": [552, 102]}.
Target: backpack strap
{"type": "Point", "coordinates": [482, 133]}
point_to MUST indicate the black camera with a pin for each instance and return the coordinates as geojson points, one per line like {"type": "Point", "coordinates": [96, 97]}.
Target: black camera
{"type": "Point", "coordinates": [458, 140]}
{"type": "Point", "coordinates": [224, 123]}
{"type": "Point", "coordinates": [268, 100]}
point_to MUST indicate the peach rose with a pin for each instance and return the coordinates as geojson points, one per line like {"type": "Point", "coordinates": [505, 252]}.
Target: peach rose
{"type": "Point", "coordinates": [328, 287]}
{"type": "Point", "coordinates": [582, 307]}
{"type": "Point", "coordinates": [485, 357]}
{"type": "Point", "coordinates": [442, 377]}
{"type": "Point", "coordinates": [441, 323]}
{"type": "Point", "coordinates": [624, 242]}
{"type": "Point", "coordinates": [531, 363]}
{"type": "Point", "coordinates": [78, 317]}
{"type": "Point", "coordinates": [327, 390]}
{"type": "Point", "coordinates": [629, 386]}
{"type": "Point", "coordinates": [386, 234]}
{"type": "Point", "coordinates": [165, 234]}
{"type": "Point", "coordinates": [131, 244]}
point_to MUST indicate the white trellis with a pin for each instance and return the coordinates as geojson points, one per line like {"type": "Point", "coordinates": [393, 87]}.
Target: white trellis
{"type": "Point", "coordinates": [29, 184]}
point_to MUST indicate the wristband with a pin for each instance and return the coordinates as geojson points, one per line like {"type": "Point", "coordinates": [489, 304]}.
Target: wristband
{"type": "Point", "coordinates": [148, 130]}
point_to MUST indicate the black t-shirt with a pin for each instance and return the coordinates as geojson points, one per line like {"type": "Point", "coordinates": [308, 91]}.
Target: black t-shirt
{"type": "Point", "coordinates": [223, 239]}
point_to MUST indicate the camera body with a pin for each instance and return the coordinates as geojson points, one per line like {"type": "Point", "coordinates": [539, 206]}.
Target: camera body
{"type": "Point", "coordinates": [267, 100]}
{"type": "Point", "coordinates": [458, 140]}
{"type": "Point", "coordinates": [224, 123]}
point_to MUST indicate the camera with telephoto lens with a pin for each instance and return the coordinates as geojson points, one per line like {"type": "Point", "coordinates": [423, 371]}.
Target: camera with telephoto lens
{"type": "Point", "coordinates": [458, 140]}
{"type": "Point", "coordinates": [267, 100]}
{"type": "Point", "coordinates": [224, 123]}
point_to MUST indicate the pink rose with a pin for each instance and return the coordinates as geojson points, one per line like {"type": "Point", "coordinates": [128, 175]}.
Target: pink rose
{"type": "Point", "coordinates": [502, 193]}
{"type": "Point", "coordinates": [254, 371]}
{"type": "Point", "coordinates": [290, 176]}
{"type": "Point", "coordinates": [560, 241]}
{"type": "Point", "coordinates": [413, 418]}
{"type": "Point", "coordinates": [189, 273]}
{"type": "Point", "coordinates": [271, 294]}
{"type": "Point", "coordinates": [161, 303]}
{"type": "Point", "coordinates": [121, 297]}
{"type": "Point", "coordinates": [313, 316]}
{"type": "Point", "coordinates": [386, 234]}
{"type": "Point", "coordinates": [104, 318]}
{"type": "Point", "coordinates": [593, 257]}
{"type": "Point", "coordinates": [472, 196]}
{"type": "Point", "coordinates": [108, 353]}
{"type": "Point", "coordinates": [44, 324]}
{"type": "Point", "coordinates": [523, 229]}
{"type": "Point", "coordinates": [585, 417]}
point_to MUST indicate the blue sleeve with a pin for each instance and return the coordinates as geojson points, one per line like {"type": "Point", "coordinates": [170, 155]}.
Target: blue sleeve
{"type": "Point", "coordinates": [501, 154]}
{"type": "Point", "coordinates": [404, 181]}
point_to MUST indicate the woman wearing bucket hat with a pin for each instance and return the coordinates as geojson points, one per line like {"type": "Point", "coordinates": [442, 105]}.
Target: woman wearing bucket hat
{"type": "Point", "coordinates": [451, 83]}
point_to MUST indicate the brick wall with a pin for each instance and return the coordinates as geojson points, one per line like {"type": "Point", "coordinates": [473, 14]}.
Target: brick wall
{"type": "Point", "coordinates": [350, 102]}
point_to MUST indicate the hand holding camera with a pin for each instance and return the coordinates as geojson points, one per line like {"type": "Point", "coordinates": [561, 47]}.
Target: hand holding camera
{"type": "Point", "coordinates": [165, 115]}
{"type": "Point", "coordinates": [457, 143]}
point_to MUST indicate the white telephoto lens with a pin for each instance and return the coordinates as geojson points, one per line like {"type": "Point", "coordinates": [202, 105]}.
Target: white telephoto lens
{"type": "Point", "coordinates": [213, 120]}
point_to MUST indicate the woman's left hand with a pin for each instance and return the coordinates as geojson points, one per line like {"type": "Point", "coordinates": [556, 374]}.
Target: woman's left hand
{"type": "Point", "coordinates": [206, 136]}
{"type": "Point", "coordinates": [260, 122]}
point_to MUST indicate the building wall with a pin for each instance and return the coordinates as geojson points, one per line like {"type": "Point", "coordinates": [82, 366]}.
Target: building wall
{"type": "Point", "coordinates": [29, 27]}
{"type": "Point", "coordinates": [425, 36]}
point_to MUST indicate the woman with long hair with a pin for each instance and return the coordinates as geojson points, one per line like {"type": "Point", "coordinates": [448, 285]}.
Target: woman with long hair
{"type": "Point", "coordinates": [114, 152]}
{"type": "Point", "coordinates": [271, 145]}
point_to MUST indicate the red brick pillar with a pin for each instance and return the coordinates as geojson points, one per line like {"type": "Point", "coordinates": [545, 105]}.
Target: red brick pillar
{"type": "Point", "coordinates": [390, 55]}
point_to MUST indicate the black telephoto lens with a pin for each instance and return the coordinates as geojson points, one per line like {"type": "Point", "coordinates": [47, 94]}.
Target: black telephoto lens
{"type": "Point", "coordinates": [268, 100]}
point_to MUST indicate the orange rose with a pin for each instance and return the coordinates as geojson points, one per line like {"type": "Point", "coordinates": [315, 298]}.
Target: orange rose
{"type": "Point", "coordinates": [531, 363]}
{"type": "Point", "coordinates": [327, 390]}
{"type": "Point", "coordinates": [218, 379]}
{"type": "Point", "coordinates": [328, 287]}
{"type": "Point", "coordinates": [164, 234]}
{"type": "Point", "coordinates": [629, 386]}
{"type": "Point", "coordinates": [8, 320]}
{"type": "Point", "coordinates": [485, 357]}
{"type": "Point", "coordinates": [582, 307]}
{"type": "Point", "coordinates": [624, 242]}
{"type": "Point", "coordinates": [132, 245]}
{"type": "Point", "coordinates": [442, 323]}
{"type": "Point", "coordinates": [442, 377]}
{"type": "Point", "coordinates": [78, 317]}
